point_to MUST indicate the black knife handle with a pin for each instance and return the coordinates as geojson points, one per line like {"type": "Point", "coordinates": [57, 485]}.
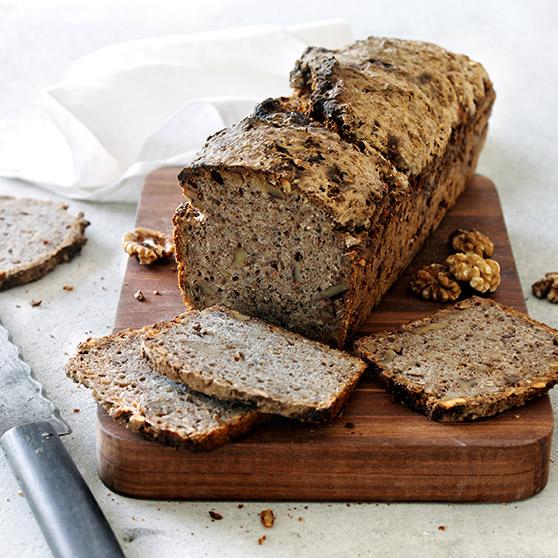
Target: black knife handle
{"type": "Point", "coordinates": [71, 521]}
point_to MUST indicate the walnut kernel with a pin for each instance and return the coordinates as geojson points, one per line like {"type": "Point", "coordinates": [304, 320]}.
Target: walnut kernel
{"type": "Point", "coordinates": [267, 518]}
{"type": "Point", "coordinates": [434, 282]}
{"type": "Point", "coordinates": [482, 274]}
{"type": "Point", "coordinates": [147, 245]}
{"type": "Point", "coordinates": [547, 287]}
{"type": "Point", "coordinates": [473, 241]}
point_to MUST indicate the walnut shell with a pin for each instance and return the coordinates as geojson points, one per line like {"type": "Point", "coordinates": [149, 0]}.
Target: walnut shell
{"type": "Point", "coordinates": [483, 275]}
{"type": "Point", "coordinates": [434, 282]}
{"type": "Point", "coordinates": [147, 245]}
{"type": "Point", "coordinates": [473, 241]}
{"type": "Point", "coordinates": [547, 287]}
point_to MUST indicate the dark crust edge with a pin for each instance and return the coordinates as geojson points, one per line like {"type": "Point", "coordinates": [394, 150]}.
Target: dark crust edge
{"type": "Point", "coordinates": [159, 359]}
{"type": "Point", "coordinates": [65, 252]}
{"type": "Point", "coordinates": [126, 417]}
{"type": "Point", "coordinates": [480, 406]}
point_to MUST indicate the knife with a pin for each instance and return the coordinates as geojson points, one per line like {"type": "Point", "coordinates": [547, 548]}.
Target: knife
{"type": "Point", "coordinates": [30, 425]}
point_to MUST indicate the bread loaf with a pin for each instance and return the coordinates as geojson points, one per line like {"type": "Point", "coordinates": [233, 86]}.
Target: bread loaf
{"type": "Point", "coordinates": [307, 211]}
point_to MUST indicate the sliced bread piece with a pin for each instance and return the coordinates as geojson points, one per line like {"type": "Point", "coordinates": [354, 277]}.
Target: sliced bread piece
{"type": "Point", "coordinates": [230, 356]}
{"type": "Point", "coordinates": [473, 360]}
{"type": "Point", "coordinates": [124, 384]}
{"type": "Point", "coordinates": [35, 236]}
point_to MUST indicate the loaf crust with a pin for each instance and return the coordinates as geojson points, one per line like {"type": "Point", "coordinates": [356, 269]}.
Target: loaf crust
{"type": "Point", "coordinates": [379, 139]}
{"type": "Point", "coordinates": [36, 236]}
{"type": "Point", "coordinates": [507, 386]}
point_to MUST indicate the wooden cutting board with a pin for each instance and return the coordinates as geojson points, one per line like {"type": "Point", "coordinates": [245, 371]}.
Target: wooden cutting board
{"type": "Point", "coordinates": [378, 450]}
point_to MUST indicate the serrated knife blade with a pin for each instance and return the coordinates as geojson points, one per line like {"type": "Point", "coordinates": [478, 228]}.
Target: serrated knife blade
{"type": "Point", "coordinates": [30, 430]}
{"type": "Point", "coordinates": [22, 397]}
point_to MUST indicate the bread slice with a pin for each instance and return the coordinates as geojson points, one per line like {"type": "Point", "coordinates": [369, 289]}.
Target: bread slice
{"type": "Point", "coordinates": [230, 356]}
{"type": "Point", "coordinates": [124, 384]}
{"type": "Point", "coordinates": [35, 236]}
{"type": "Point", "coordinates": [473, 360]}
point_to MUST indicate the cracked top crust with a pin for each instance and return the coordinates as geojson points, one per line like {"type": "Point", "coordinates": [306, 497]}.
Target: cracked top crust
{"type": "Point", "coordinates": [362, 123]}
{"type": "Point", "coordinates": [298, 154]}
{"type": "Point", "coordinates": [401, 98]}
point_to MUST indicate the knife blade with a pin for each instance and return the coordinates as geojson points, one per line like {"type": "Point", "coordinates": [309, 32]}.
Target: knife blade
{"type": "Point", "coordinates": [30, 425]}
{"type": "Point", "coordinates": [22, 397]}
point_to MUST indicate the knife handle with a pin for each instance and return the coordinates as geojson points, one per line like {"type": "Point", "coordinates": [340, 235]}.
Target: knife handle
{"type": "Point", "coordinates": [71, 521]}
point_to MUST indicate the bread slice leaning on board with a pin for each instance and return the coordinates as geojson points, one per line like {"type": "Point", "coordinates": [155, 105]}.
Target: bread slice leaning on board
{"type": "Point", "coordinates": [307, 211]}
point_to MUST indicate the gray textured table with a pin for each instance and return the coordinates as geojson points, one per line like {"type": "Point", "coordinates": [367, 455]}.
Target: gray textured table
{"type": "Point", "coordinates": [515, 42]}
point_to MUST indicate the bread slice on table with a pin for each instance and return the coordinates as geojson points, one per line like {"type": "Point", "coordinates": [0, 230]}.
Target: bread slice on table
{"type": "Point", "coordinates": [473, 360]}
{"type": "Point", "coordinates": [230, 356]}
{"type": "Point", "coordinates": [124, 384]}
{"type": "Point", "coordinates": [35, 236]}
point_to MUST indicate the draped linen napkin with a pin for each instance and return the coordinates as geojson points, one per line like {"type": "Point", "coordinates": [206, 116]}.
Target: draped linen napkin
{"type": "Point", "coordinates": [129, 108]}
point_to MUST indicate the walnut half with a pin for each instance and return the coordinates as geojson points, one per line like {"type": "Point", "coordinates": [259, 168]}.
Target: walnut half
{"type": "Point", "coordinates": [482, 274]}
{"type": "Point", "coordinates": [473, 241]}
{"type": "Point", "coordinates": [547, 287]}
{"type": "Point", "coordinates": [147, 245]}
{"type": "Point", "coordinates": [434, 282]}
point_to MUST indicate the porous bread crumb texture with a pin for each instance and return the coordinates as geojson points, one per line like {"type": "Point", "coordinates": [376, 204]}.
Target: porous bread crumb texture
{"type": "Point", "coordinates": [230, 356]}
{"type": "Point", "coordinates": [36, 236]}
{"type": "Point", "coordinates": [307, 211]}
{"type": "Point", "coordinates": [474, 360]}
{"type": "Point", "coordinates": [126, 386]}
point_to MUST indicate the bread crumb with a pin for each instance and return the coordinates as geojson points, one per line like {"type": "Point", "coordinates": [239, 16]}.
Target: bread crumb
{"type": "Point", "coordinates": [215, 515]}
{"type": "Point", "coordinates": [139, 296]}
{"type": "Point", "coordinates": [261, 539]}
{"type": "Point", "coordinates": [20, 492]}
{"type": "Point", "coordinates": [301, 519]}
{"type": "Point", "coordinates": [76, 410]}
{"type": "Point", "coordinates": [67, 287]}
{"type": "Point", "coordinates": [267, 518]}
{"type": "Point", "coordinates": [36, 302]}
{"type": "Point", "coordinates": [156, 292]}
{"type": "Point", "coordinates": [441, 527]}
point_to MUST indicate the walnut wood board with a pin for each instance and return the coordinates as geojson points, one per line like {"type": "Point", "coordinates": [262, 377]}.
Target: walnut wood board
{"type": "Point", "coordinates": [378, 450]}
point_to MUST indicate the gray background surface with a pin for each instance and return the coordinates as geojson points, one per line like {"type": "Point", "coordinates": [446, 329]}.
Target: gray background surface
{"type": "Point", "coordinates": [514, 40]}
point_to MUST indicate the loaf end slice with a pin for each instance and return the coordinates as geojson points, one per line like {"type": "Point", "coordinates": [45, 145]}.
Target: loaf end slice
{"type": "Point", "coordinates": [124, 384]}
{"type": "Point", "coordinates": [228, 355]}
{"type": "Point", "coordinates": [36, 236]}
{"type": "Point", "coordinates": [473, 360]}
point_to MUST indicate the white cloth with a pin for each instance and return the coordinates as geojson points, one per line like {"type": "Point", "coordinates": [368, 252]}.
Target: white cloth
{"type": "Point", "coordinates": [126, 109]}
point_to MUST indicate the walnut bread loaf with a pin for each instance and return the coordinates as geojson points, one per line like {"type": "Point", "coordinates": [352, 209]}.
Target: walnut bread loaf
{"type": "Point", "coordinates": [306, 212]}
{"type": "Point", "coordinates": [125, 385]}
{"type": "Point", "coordinates": [474, 360]}
{"type": "Point", "coordinates": [230, 356]}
